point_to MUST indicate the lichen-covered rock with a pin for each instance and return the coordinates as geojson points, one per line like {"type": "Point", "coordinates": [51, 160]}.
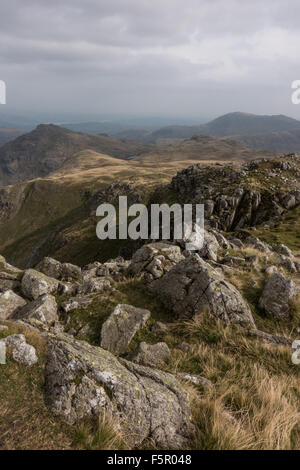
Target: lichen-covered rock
{"type": "Point", "coordinates": [121, 326]}
{"type": "Point", "coordinates": [154, 259]}
{"type": "Point", "coordinates": [113, 268]}
{"type": "Point", "coordinates": [83, 380]}
{"type": "Point", "coordinates": [70, 272]}
{"type": "Point", "coordinates": [93, 285]}
{"type": "Point", "coordinates": [43, 309]}
{"type": "Point", "coordinates": [10, 277]}
{"type": "Point", "coordinates": [210, 247]}
{"type": "Point", "coordinates": [277, 296]}
{"type": "Point", "coordinates": [10, 303]}
{"type": "Point", "coordinates": [60, 271]}
{"type": "Point", "coordinates": [193, 286]}
{"type": "Point", "coordinates": [22, 352]}
{"type": "Point", "coordinates": [151, 355]}
{"type": "Point", "coordinates": [75, 302]}
{"type": "Point", "coordinates": [51, 267]}
{"type": "Point", "coordinates": [35, 284]}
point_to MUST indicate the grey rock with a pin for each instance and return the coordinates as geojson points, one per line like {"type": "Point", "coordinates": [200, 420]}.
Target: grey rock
{"type": "Point", "coordinates": [51, 267]}
{"type": "Point", "coordinates": [76, 302]}
{"type": "Point", "coordinates": [151, 355]}
{"type": "Point", "coordinates": [193, 286]}
{"type": "Point", "coordinates": [277, 295]}
{"type": "Point", "coordinates": [35, 284]}
{"type": "Point", "coordinates": [121, 326]}
{"type": "Point", "coordinates": [10, 303]}
{"type": "Point", "coordinates": [94, 285]}
{"type": "Point", "coordinates": [83, 381]}
{"type": "Point", "coordinates": [3, 327]}
{"type": "Point", "coordinates": [283, 250]}
{"type": "Point", "coordinates": [22, 352]}
{"type": "Point", "coordinates": [154, 259]}
{"type": "Point", "coordinates": [43, 309]}
{"type": "Point", "coordinates": [195, 379]}
{"type": "Point", "coordinates": [10, 277]}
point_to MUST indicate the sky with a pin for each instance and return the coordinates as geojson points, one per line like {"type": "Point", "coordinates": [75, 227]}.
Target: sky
{"type": "Point", "coordinates": [185, 59]}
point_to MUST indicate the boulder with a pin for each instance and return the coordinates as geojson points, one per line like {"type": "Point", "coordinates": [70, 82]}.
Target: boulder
{"type": "Point", "coordinates": [10, 303]}
{"type": "Point", "coordinates": [22, 352]}
{"type": "Point", "coordinates": [70, 272]}
{"type": "Point", "coordinates": [43, 309]}
{"type": "Point", "coordinates": [35, 284]}
{"type": "Point", "coordinates": [283, 250]}
{"type": "Point", "coordinates": [93, 285]}
{"type": "Point", "coordinates": [210, 247]}
{"type": "Point", "coordinates": [51, 267]}
{"type": "Point", "coordinates": [193, 287]}
{"type": "Point", "coordinates": [10, 276]}
{"type": "Point", "coordinates": [84, 380]}
{"type": "Point", "coordinates": [154, 259]}
{"type": "Point", "coordinates": [277, 296]}
{"type": "Point", "coordinates": [121, 326]}
{"type": "Point", "coordinates": [72, 303]}
{"type": "Point", "coordinates": [151, 355]}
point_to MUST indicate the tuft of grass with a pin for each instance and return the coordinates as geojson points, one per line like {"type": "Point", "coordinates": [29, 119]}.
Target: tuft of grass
{"type": "Point", "coordinates": [99, 434]}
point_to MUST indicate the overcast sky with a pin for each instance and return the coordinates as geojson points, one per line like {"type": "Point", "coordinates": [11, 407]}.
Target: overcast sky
{"type": "Point", "coordinates": [185, 58]}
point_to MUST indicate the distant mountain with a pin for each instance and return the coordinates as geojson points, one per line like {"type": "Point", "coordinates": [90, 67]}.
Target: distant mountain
{"type": "Point", "coordinates": [284, 141]}
{"type": "Point", "coordinates": [230, 124]}
{"type": "Point", "coordinates": [202, 148]}
{"type": "Point", "coordinates": [7, 134]}
{"type": "Point", "coordinates": [247, 124]}
{"type": "Point", "coordinates": [46, 148]}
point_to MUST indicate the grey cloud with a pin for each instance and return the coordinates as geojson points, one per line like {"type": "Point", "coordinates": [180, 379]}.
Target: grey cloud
{"type": "Point", "coordinates": [132, 55]}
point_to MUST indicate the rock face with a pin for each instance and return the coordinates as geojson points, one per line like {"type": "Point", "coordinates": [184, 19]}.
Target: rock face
{"type": "Point", "coordinates": [22, 352]}
{"type": "Point", "coordinates": [277, 295]}
{"type": "Point", "coordinates": [10, 303]}
{"type": "Point", "coordinates": [83, 380]}
{"type": "Point", "coordinates": [151, 355]}
{"type": "Point", "coordinates": [35, 284]}
{"type": "Point", "coordinates": [193, 286]}
{"type": "Point", "coordinates": [43, 309]}
{"type": "Point", "coordinates": [121, 326]}
{"type": "Point", "coordinates": [154, 260]}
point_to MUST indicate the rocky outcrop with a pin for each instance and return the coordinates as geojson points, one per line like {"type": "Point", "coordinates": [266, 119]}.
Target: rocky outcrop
{"type": "Point", "coordinates": [154, 259]}
{"type": "Point", "coordinates": [43, 309]}
{"type": "Point", "coordinates": [193, 286]}
{"type": "Point", "coordinates": [61, 271]}
{"type": "Point", "coordinates": [121, 326]}
{"type": "Point", "coordinates": [35, 284]}
{"type": "Point", "coordinates": [22, 352]}
{"type": "Point", "coordinates": [82, 381]}
{"type": "Point", "coordinates": [10, 303]}
{"type": "Point", "coordinates": [151, 355]}
{"type": "Point", "coordinates": [277, 296]}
